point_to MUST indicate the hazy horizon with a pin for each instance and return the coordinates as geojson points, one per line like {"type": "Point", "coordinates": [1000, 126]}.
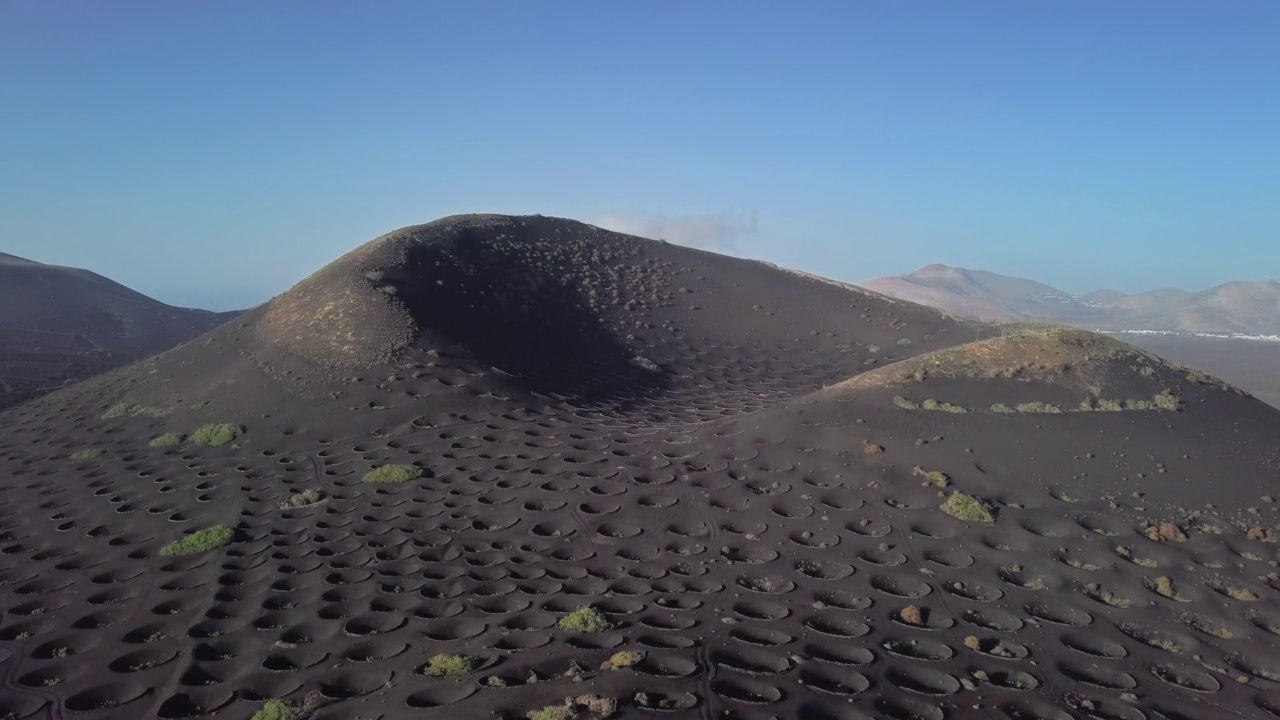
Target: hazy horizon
{"type": "Point", "coordinates": [211, 155]}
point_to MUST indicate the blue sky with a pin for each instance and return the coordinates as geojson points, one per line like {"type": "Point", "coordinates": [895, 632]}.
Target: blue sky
{"type": "Point", "coordinates": [213, 153]}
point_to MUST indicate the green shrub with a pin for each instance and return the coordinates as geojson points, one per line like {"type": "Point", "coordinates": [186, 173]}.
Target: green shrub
{"type": "Point", "coordinates": [393, 474]}
{"type": "Point", "coordinates": [122, 409]}
{"type": "Point", "coordinates": [200, 541]}
{"type": "Point", "coordinates": [83, 456]}
{"type": "Point", "coordinates": [167, 440]}
{"type": "Point", "coordinates": [306, 498]}
{"type": "Point", "coordinates": [278, 710]}
{"type": "Point", "coordinates": [1167, 401]}
{"type": "Point", "coordinates": [904, 403]}
{"type": "Point", "coordinates": [623, 659]}
{"type": "Point", "coordinates": [931, 404]}
{"type": "Point", "coordinates": [1038, 407]}
{"type": "Point", "coordinates": [216, 434]}
{"type": "Point", "coordinates": [450, 665]}
{"type": "Point", "coordinates": [582, 706]}
{"type": "Point", "coordinates": [1001, 408]}
{"type": "Point", "coordinates": [551, 712]}
{"type": "Point", "coordinates": [939, 479]}
{"type": "Point", "coordinates": [967, 508]}
{"type": "Point", "coordinates": [285, 710]}
{"type": "Point", "coordinates": [115, 411]}
{"type": "Point", "coordinates": [585, 619]}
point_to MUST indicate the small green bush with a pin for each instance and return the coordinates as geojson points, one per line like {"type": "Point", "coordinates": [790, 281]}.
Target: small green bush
{"type": "Point", "coordinates": [551, 712]}
{"type": "Point", "coordinates": [931, 404]}
{"type": "Point", "coordinates": [200, 541]}
{"type": "Point", "coordinates": [623, 659]}
{"type": "Point", "coordinates": [1001, 408]}
{"type": "Point", "coordinates": [122, 409]}
{"type": "Point", "coordinates": [936, 478]}
{"type": "Point", "coordinates": [285, 710]}
{"type": "Point", "coordinates": [306, 498]}
{"type": "Point", "coordinates": [83, 456]}
{"type": "Point", "coordinates": [450, 665]}
{"type": "Point", "coordinates": [278, 710]}
{"type": "Point", "coordinates": [216, 434]}
{"type": "Point", "coordinates": [1038, 407]}
{"type": "Point", "coordinates": [393, 474]}
{"type": "Point", "coordinates": [167, 440]}
{"type": "Point", "coordinates": [904, 403]}
{"type": "Point", "coordinates": [968, 508]}
{"type": "Point", "coordinates": [115, 411]}
{"type": "Point", "coordinates": [585, 619]}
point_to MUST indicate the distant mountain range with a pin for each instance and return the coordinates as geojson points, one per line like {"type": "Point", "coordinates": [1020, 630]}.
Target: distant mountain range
{"type": "Point", "coordinates": [1251, 308]}
{"type": "Point", "coordinates": [61, 324]}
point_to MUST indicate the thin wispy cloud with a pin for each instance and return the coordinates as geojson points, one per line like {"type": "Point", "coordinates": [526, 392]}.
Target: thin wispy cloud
{"type": "Point", "coordinates": [716, 231]}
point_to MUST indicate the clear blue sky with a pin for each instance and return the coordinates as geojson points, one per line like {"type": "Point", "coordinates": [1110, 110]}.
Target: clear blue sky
{"type": "Point", "coordinates": [212, 153]}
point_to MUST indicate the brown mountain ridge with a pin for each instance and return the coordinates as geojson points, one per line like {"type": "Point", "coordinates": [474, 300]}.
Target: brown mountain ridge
{"type": "Point", "coordinates": [1233, 307]}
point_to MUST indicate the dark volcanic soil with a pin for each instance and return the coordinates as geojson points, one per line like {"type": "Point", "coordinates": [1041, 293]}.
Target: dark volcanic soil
{"type": "Point", "coordinates": [59, 325]}
{"type": "Point", "coordinates": [742, 468]}
{"type": "Point", "coordinates": [1252, 365]}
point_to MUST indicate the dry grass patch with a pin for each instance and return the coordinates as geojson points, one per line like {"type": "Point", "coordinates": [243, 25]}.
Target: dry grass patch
{"type": "Point", "coordinates": [1126, 553]}
{"type": "Point", "coordinates": [303, 499]}
{"type": "Point", "coordinates": [1242, 594]}
{"type": "Point", "coordinates": [1103, 595]}
{"type": "Point", "coordinates": [582, 707]}
{"type": "Point", "coordinates": [1165, 587]}
{"type": "Point", "coordinates": [1206, 626]}
{"type": "Point", "coordinates": [911, 615]}
{"type": "Point", "coordinates": [1164, 532]}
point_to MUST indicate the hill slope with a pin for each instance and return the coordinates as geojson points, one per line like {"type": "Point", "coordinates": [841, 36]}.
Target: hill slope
{"type": "Point", "coordinates": [707, 451]}
{"type": "Point", "coordinates": [59, 325]}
